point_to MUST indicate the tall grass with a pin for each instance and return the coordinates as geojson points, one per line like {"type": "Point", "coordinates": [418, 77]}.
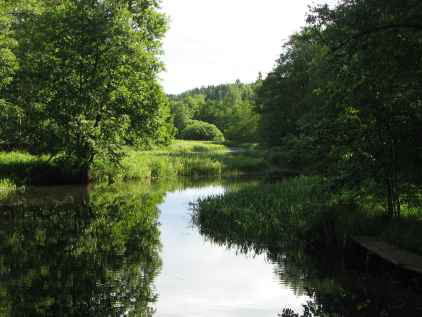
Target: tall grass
{"type": "Point", "coordinates": [299, 211]}
{"type": "Point", "coordinates": [187, 146]}
{"type": "Point", "coordinates": [7, 187]}
{"type": "Point", "coordinates": [182, 158]}
{"type": "Point", "coordinates": [262, 214]}
{"type": "Point", "coordinates": [16, 166]}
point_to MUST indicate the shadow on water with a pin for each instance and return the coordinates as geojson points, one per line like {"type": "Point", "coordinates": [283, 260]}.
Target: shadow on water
{"type": "Point", "coordinates": [336, 286]}
{"type": "Point", "coordinates": [97, 255]}
{"type": "Point", "coordinates": [84, 251]}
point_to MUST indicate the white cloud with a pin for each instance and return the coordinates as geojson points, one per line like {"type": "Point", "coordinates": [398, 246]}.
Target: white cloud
{"type": "Point", "coordinates": [218, 41]}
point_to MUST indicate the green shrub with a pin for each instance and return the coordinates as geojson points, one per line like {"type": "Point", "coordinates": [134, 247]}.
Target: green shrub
{"type": "Point", "coordinates": [200, 130]}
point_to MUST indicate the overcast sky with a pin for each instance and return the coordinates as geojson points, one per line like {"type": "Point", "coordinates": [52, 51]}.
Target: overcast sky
{"type": "Point", "coordinates": [218, 41]}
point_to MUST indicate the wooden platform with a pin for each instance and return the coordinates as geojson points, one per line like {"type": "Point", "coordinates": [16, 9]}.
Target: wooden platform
{"type": "Point", "coordinates": [403, 259]}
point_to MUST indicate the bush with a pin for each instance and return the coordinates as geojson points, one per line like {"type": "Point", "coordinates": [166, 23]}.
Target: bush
{"type": "Point", "coordinates": [200, 130]}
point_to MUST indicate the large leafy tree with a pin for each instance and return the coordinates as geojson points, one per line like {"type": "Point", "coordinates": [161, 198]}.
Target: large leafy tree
{"type": "Point", "coordinates": [375, 49]}
{"type": "Point", "coordinates": [8, 63]}
{"type": "Point", "coordinates": [345, 97]}
{"type": "Point", "coordinates": [87, 80]}
{"type": "Point", "coordinates": [291, 105]}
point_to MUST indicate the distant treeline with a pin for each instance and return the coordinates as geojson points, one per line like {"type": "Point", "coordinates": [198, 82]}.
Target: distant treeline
{"type": "Point", "coordinates": [230, 107]}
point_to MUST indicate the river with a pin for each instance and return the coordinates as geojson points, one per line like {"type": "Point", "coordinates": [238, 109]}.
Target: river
{"type": "Point", "coordinates": [132, 250]}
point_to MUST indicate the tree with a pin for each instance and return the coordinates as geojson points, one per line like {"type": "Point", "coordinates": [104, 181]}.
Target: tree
{"type": "Point", "coordinates": [375, 51]}
{"type": "Point", "coordinates": [290, 105]}
{"type": "Point", "coordinates": [87, 83]}
{"type": "Point", "coordinates": [8, 63]}
{"type": "Point", "coordinates": [230, 107]}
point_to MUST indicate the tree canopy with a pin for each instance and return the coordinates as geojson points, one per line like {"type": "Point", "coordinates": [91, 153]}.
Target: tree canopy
{"type": "Point", "coordinates": [344, 98]}
{"type": "Point", "coordinates": [230, 107]}
{"type": "Point", "coordinates": [87, 77]}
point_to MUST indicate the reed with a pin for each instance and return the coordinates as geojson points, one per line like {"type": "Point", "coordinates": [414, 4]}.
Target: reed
{"type": "Point", "coordinates": [181, 158]}
{"type": "Point", "coordinates": [300, 211]}
{"type": "Point", "coordinates": [7, 187]}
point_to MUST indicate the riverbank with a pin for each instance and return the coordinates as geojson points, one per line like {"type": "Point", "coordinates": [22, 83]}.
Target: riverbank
{"type": "Point", "coordinates": [181, 158]}
{"type": "Point", "coordinates": [301, 211]}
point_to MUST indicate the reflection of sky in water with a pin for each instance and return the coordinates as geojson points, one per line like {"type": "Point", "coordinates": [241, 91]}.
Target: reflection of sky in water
{"type": "Point", "coordinates": [202, 279]}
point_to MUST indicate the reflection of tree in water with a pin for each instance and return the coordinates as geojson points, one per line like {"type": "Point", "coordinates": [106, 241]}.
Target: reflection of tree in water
{"type": "Point", "coordinates": [339, 290]}
{"type": "Point", "coordinates": [95, 259]}
{"type": "Point", "coordinates": [334, 289]}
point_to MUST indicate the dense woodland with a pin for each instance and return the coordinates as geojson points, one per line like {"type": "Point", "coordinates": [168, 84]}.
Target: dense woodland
{"type": "Point", "coordinates": [230, 107]}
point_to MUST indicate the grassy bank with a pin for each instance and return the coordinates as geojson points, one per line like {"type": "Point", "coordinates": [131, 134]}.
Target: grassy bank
{"type": "Point", "coordinates": [301, 211]}
{"type": "Point", "coordinates": [7, 187]}
{"type": "Point", "coordinates": [181, 158]}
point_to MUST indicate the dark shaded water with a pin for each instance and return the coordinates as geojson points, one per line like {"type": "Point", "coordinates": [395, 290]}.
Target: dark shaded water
{"type": "Point", "coordinates": [133, 251]}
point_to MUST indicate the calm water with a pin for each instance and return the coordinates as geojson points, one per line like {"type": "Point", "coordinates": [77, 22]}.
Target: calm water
{"type": "Point", "coordinates": [133, 251]}
{"type": "Point", "coordinates": [199, 278]}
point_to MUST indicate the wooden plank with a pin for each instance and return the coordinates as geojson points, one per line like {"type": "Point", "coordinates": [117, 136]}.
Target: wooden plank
{"type": "Point", "coordinates": [404, 259]}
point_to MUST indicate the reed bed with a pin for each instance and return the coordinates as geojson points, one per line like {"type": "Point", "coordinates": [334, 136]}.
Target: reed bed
{"type": "Point", "coordinates": [181, 158]}
{"type": "Point", "coordinates": [300, 211]}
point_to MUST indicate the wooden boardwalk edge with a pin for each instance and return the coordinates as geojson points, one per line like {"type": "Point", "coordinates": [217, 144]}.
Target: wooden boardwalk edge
{"type": "Point", "coordinates": [403, 259]}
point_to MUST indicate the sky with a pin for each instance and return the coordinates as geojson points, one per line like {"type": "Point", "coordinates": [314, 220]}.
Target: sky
{"type": "Point", "coordinates": [212, 42]}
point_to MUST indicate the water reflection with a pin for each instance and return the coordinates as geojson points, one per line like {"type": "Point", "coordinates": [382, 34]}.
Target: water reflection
{"type": "Point", "coordinates": [201, 278]}
{"type": "Point", "coordinates": [98, 253]}
{"type": "Point", "coordinates": [97, 257]}
{"type": "Point", "coordinates": [334, 286]}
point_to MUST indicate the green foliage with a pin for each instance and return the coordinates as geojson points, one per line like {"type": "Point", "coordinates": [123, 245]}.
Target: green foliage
{"type": "Point", "coordinates": [181, 158]}
{"type": "Point", "coordinates": [301, 211]}
{"type": "Point", "coordinates": [374, 101]}
{"type": "Point", "coordinates": [7, 187]}
{"type": "Point", "coordinates": [189, 146]}
{"type": "Point", "coordinates": [276, 215]}
{"type": "Point", "coordinates": [16, 166]}
{"type": "Point", "coordinates": [230, 107]}
{"type": "Point", "coordinates": [102, 254]}
{"type": "Point", "coordinates": [87, 82]}
{"type": "Point", "coordinates": [200, 130]}
{"type": "Point", "coordinates": [8, 62]}
{"type": "Point", "coordinates": [343, 100]}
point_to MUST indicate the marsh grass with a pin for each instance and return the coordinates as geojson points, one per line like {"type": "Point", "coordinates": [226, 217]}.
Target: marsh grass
{"type": "Point", "coordinates": [186, 146]}
{"type": "Point", "coordinates": [182, 158]}
{"type": "Point", "coordinates": [261, 214]}
{"type": "Point", "coordinates": [7, 187]}
{"type": "Point", "coordinates": [300, 211]}
{"type": "Point", "coordinates": [16, 166]}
